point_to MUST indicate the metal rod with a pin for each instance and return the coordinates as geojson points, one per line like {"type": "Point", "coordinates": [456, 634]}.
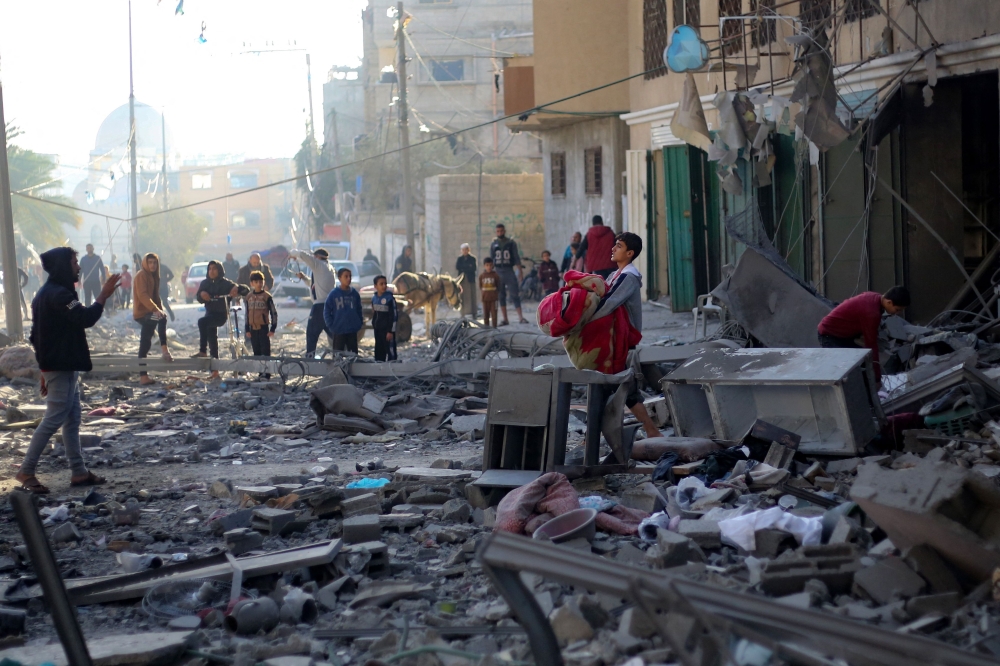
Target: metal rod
{"type": "Point", "coordinates": [44, 564]}
{"type": "Point", "coordinates": [133, 200]}
{"type": "Point", "coordinates": [404, 129]}
{"type": "Point", "coordinates": [542, 638]}
{"type": "Point", "coordinates": [967, 209]}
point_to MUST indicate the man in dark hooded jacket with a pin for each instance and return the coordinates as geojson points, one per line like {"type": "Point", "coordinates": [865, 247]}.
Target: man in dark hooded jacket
{"type": "Point", "coordinates": [215, 292]}
{"type": "Point", "coordinates": [58, 334]}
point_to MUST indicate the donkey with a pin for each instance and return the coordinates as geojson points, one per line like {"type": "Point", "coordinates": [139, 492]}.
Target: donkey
{"type": "Point", "coordinates": [426, 290]}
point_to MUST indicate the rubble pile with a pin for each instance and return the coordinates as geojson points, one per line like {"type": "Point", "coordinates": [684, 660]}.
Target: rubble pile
{"type": "Point", "coordinates": [310, 520]}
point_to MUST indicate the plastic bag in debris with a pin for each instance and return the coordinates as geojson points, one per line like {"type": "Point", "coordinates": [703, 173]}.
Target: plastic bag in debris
{"type": "Point", "coordinates": [690, 490]}
{"type": "Point", "coordinates": [595, 502]}
{"type": "Point", "coordinates": [56, 515]}
{"type": "Point", "coordinates": [648, 527]}
{"type": "Point", "coordinates": [368, 483]}
{"type": "Point", "coordinates": [740, 531]}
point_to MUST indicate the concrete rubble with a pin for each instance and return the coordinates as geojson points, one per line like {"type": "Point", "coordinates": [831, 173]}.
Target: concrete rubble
{"type": "Point", "coordinates": [346, 510]}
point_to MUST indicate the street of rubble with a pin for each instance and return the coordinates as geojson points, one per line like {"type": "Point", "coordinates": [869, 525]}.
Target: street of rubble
{"type": "Point", "coordinates": [366, 536]}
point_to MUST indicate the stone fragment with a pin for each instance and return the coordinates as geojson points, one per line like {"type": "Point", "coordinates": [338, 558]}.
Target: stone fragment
{"type": "Point", "coordinates": [361, 505]}
{"type": "Point", "coordinates": [645, 497]}
{"type": "Point", "coordinates": [362, 528]}
{"type": "Point", "coordinates": [634, 622]}
{"type": "Point", "coordinates": [569, 625]}
{"type": "Point", "coordinates": [272, 521]}
{"type": "Point", "coordinates": [65, 533]}
{"type": "Point", "coordinates": [671, 550]}
{"type": "Point", "coordinates": [219, 490]}
{"type": "Point", "coordinates": [888, 580]}
{"type": "Point", "coordinates": [242, 540]}
{"type": "Point", "coordinates": [705, 533]}
{"type": "Point", "coordinates": [928, 563]}
{"type": "Point", "coordinates": [456, 511]}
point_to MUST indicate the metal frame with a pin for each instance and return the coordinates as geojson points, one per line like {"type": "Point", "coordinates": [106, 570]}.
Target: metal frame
{"type": "Point", "coordinates": [794, 630]}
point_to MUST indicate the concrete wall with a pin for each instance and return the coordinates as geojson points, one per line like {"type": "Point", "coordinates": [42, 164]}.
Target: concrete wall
{"type": "Point", "coordinates": [453, 216]}
{"type": "Point", "coordinates": [573, 212]}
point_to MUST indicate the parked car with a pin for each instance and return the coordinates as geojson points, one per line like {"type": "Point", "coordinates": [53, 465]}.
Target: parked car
{"type": "Point", "coordinates": [193, 276]}
{"type": "Point", "coordinates": [287, 284]}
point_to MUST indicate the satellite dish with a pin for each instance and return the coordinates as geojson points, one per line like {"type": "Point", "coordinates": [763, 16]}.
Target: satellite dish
{"type": "Point", "coordinates": [687, 51]}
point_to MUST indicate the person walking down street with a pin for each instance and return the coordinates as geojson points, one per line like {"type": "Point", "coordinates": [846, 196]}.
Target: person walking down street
{"type": "Point", "coordinates": [322, 282]}
{"type": "Point", "coordinates": [570, 254]}
{"type": "Point", "coordinates": [166, 275]}
{"type": "Point", "coordinates": [92, 274]}
{"type": "Point", "coordinates": [231, 266]}
{"type": "Point", "coordinates": [343, 314]}
{"type": "Point", "coordinates": [506, 259]}
{"type": "Point", "coordinates": [59, 337]}
{"type": "Point", "coordinates": [255, 264]}
{"type": "Point", "coordinates": [124, 294]}
{"type": "Point", "coordinates": [370, 257]}
{"type": "Point", "coordinates": [467, 267]}
{"type": "Point", "coordinates": [148, 311]}
{"type": "Point", "coordinates": [404, 262]}
{"type": "Point", "coordinates": [22, 282]}
{"type": "Point", "coordinates": [261, 318]}
{"type": "Point", "coordinates": [596, 247]}
{"type": "Point", "coordinates": [215, 291]}
{"type": "Point", "coordinates": [548, 273]}
{"type": "Point", "coordinates": [384, 318]}
{"type": "Point", "coordinates": [489, 283]}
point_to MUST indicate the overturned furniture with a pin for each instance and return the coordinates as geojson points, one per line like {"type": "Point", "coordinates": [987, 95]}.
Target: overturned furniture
{"type": "Point", "coordinates": [527, 420]}
{"type": "Point", "coordinates": [826, 396]}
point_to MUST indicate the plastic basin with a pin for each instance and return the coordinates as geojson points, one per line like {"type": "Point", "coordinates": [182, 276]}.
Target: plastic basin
{"type": "Point", "coordinates": [571, 525]}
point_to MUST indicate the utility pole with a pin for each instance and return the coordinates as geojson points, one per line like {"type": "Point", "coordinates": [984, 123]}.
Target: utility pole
{"type": "Point", "coordinates": [133, 197]}
{"type": "Point", "coordinates": [12, 294]}
{"type": "Point", "coordinates": [309, 80]}
{"type": "Point", "coordinates": [404, 127]}
{"type": "Point", "coordinates": [493, 62]}
{"type": "Point", "coordinates": [336, 162]}
{"type": "Point", "coordinates": [163, 137]}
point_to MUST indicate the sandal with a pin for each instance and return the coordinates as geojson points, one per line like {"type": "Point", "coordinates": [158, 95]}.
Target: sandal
{"type": "Point", "coordinates": [33, 485]}
{"type": "Point", "coordinates": [146, 380]}
{"type": "Point", "coordinates": [90, 480]}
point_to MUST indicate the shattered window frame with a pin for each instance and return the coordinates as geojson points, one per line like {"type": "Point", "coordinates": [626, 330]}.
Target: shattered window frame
{"type": "Point", "coordinates": [557, 174]}
{"type": "Point", "coordinates": [592, 164]}
{"type": "Point", "coordinates": [732, 31]}
{"type": "Point", "coordinates": [860, 9]}
{"type": "Point", "coordinates": [654, 37]}
{"type": "Point", "coordinates": [813, 12]}
{"type": "Point", "coordinates": [763, 32]}
{"type": "Point", "coordinates": [687, 12]}
{"type": "Point", "coordinates": [245, 219]}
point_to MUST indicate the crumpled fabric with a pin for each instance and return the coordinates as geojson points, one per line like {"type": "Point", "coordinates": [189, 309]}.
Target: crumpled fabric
{"type": "Point", "coordinates": [740, 531]}
{"type": "Point", "coordinates": [591, 344]}
{"type": "Point", "coordinates": [525, 509]}
{"type": "Point", "coordinates": [340, 406]}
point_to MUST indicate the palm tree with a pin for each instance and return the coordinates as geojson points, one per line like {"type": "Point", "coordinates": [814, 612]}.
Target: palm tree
{"type": "Point", "coordinates": [31, 174]}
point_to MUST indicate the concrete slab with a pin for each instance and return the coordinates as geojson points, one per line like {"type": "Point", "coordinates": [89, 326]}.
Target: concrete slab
{"type": "Point", "coordinates": [122, 650]}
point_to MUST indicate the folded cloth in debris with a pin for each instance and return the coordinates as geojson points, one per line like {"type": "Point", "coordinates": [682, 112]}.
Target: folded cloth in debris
{"type": "Point", "coordinates": [527, 508]}
{"type": "Point", "coordinates": [741, 529]}
{"type": "Point", "coordinates": [591, 344]}
{"type": "Point", "coordinates": [340, 406]}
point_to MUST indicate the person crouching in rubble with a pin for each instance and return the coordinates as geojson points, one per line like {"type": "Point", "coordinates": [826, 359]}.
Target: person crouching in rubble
{"type": "Point", "coordinates": [342, 313]}
{"type": "Point", "coordinates": [58, 334]}
{"type": "Point", "coordinates": [384, 318]}
{"type": "Point", "coordinates": [861, 315]}
{"type": "Point", "coordinates": [147, 311]}
{"type": "Point", "coordinates": [625, 290]}
{"type": "Point", "coordinates": [214, 291]}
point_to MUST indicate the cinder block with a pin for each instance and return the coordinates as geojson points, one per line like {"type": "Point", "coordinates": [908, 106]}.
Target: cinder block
{"type": "Point", "coordinates": [359, 529]}
{"type": "Point", "coordinates": [362, 505]}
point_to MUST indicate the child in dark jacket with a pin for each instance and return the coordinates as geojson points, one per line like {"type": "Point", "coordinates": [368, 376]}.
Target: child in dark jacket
{"type": "Point", "coordinates": [548, 273]}
{"type": "Point", "coordinates": [384, 318]}
{"type": "Point", "coordinates": [261, 316]}
{"type": "Point", "coordinates": [215, 292]}
{"type": "Point", "coordinates": [343, 315]}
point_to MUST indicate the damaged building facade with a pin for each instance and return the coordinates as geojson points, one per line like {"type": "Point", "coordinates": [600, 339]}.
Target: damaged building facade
{"type": "Point", "coordinates": [887, 176]}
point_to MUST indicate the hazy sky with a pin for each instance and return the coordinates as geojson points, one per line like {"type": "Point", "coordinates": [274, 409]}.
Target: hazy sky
{"type": "Point", "coordinates": [64, 67]}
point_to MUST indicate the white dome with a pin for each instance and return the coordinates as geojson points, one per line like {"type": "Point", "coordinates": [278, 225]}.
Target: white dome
{"type": "Point", "coordinates": [114, 132]}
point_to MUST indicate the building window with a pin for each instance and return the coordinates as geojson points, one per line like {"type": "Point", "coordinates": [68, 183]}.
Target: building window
{"type": "Point", "coordinates": [687, 12]}
{"type": "Point", "coordinates": [592, 166]}
{"type": "Point", "coordinates": [859, 9]}
{"type": "Point", "coordinates": [654, 37]}
{"type": "Point", "coordinates": [558, 171]}
{"type": "Point", "coordinates": [245, 219]}
{"type": "Point", "coordinates": [764, 29]}
{"type": "Point", "coordinates": [240, 180]}
{"type": "Point", "coordinates": [447, 70]}
{"type": "Point", "coordinates": [201, 181]}
{"type": "Point", "coordinates": [814, 12]}
{"type": "Point", "coordinates": [732, 31]}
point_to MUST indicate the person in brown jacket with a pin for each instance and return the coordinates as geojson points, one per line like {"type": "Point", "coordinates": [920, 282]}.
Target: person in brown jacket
{"type": "Point", "coordinates": [147, 309]}
{"type": "Point", "coordinates": [489, 282]}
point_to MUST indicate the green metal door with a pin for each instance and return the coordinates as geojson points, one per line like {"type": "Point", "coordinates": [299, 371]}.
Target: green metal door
{"type": "Point", "coordinates": [691, 245]}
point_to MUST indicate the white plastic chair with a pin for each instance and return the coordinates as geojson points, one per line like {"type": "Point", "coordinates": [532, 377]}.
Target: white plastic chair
{"type": "Point", "coordinates": [706, 305]}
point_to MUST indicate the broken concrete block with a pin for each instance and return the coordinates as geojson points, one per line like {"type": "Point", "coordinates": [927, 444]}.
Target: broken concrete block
{"type": "Point", "coordinates": [592, 610]}
{"type": "Point", "coordinates": [474, 494]}
{"type": "Point", "coordinates": [840, 466]}
{"type": "Point", "coordinates": [942, 505]}
{"type": "Point", "coordinates": [272, 521]}
{"type": "Point", "coordinates": [671, 550]}
{"type": "Point", "coordinates": [889, 580]}
{"type": "Point", "coordinates": [714, 498]}
{"type": "Point", "coordinates": [936, 604]}
{"type": "Point", "coordinates": [241, 518]}
{"type": "Point", "coordinates": [705, 533]}
{"type": "Point", "coordinates": [456, 511]}
{"type": "Point", "coordinates": [834, 565]}
{"type": "Point", "coordinates": [628, 554]}
{"type": "Point", "coordinates": [65, 533]}
{"type": "Point", "coordinates": [658, 410]}
{"type": "Point", "coordinates": [813, 471]}
{"type": "Point", "coordinates": [219, 490]}
{"type": "Point", "coordinates": [645, 497]}
{"type": "Point", "coordinates": [925, 561]}
{"type": "Point", "coordinates": [359, 529]}
{"type": "Point", "coordinates": [779, 456]}
{"type": "Point", "coordinates": [569, 625]}
{"type": "Point", "coordinates": [361, 505]}
{"type": "Point", "coordinates": [634, 622]}
{"type": "Point", "coordinates": [769, 542]}
{"type": "Point", "coordinates": [242, 540]}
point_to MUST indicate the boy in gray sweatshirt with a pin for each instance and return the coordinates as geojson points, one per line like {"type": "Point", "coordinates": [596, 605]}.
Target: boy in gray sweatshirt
{"type": "Point", "coordinates": [625, 291]}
